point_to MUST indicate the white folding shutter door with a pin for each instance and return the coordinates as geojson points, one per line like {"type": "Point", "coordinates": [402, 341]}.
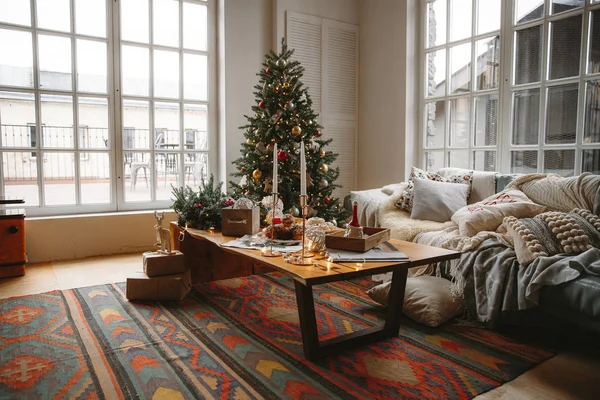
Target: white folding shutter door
{"type": "Point", "coordinates": [304, 35]}
{"type": "Point", "coordinates": [340, 98]}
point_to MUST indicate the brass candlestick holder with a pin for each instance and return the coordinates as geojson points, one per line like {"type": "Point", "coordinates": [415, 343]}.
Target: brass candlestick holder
{"type": "Point", "coordinates": [270, 252]}
{"type": "Point", "coordinates": [304, 256]}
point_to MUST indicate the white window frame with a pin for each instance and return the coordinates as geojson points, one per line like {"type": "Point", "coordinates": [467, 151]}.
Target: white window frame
{"type": "Point", "coordinates": [113, 96]}
{"type": "Point", "coordinates": [507, 88]}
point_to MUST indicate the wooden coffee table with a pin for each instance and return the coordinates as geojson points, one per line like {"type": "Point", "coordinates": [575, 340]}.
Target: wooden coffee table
{"type": "Point", "coordinates": [305, 277]}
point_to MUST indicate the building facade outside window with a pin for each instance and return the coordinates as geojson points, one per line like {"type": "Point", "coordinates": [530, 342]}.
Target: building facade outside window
{"type": "Point", "coordinates": [135, 76]}
{"type": "Point", "coordinates": [511, 85]}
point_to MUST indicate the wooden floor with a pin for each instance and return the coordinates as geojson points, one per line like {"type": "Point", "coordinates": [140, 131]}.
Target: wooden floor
{"type": "Point", "coordinates": [569, 375]}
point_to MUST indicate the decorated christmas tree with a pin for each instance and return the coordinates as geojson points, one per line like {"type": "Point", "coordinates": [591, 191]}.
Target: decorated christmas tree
{"type": "Point", "coordinates": [283, 115]}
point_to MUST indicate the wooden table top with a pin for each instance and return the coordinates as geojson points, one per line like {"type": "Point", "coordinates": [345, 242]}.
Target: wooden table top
{"type": "Point", "coordinates": [330, 271]}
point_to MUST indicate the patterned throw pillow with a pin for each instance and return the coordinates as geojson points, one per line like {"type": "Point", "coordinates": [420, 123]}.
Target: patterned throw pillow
{"type": "Point", "coordinates": [553, 233]}
{"type": "Point", "coordinates": [406, 199]}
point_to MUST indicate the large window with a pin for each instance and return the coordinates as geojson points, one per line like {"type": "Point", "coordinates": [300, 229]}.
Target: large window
{"type": "Point", "coordinates": [512, 85]}
{"type": "Point", "coordinates": [104, 104]}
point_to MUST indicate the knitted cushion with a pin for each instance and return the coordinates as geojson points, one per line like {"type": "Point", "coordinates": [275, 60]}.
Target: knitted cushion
{"type": "Point", "coordinates": [406, 198]}
{"type": "Point", "coordinates": [553, 233]}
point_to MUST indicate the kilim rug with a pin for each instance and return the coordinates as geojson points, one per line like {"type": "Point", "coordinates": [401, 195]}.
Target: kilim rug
{"type": "Point", "coordinates": [237, 339]}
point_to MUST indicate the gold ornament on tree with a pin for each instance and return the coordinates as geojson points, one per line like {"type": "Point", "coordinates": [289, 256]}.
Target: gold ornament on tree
{"type": "Point", "coordinates": [296, 130]}
{"type": "Point", "coordinates": [249, 141]}
{"type": "Point", "coordinates": [324, 168]}
{"type": "Point", "coordinates": [322, 153]}
{"type": "Point", "coordinates": [256, 174]}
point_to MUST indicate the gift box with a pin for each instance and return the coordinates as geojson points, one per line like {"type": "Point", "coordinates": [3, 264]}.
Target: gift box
{"type": "Point", "coordinates": [161, 288]}
{"type": "Point", "coordinates": [240, 221]}
{"type": "Point", "coordinates": [157, 264]}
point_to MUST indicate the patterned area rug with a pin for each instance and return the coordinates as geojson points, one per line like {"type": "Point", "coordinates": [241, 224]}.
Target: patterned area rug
{"type": "Point", "coordinates": [237, 339]}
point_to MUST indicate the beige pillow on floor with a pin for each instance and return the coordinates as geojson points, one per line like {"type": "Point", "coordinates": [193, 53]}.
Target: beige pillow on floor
{"type": "Point", "coordinates": [427, 299]}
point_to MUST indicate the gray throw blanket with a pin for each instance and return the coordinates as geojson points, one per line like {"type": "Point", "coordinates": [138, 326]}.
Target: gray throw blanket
{"type": "Point", "coordinates": [493, 281]}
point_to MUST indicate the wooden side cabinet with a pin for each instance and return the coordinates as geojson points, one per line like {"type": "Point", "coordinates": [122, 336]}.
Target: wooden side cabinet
{"type": "Point", "coordinates": [13, 256]}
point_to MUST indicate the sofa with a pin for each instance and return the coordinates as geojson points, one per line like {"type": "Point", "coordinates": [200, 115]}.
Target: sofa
{"type": "Point", "coordinates": [573, 295]}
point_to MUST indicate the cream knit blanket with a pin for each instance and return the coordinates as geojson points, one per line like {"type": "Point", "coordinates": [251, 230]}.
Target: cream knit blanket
{"type": "Point", "coordinates": [558, 193]}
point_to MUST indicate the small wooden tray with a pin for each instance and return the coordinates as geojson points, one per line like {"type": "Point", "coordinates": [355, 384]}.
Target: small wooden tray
{"type": "Point", "coordinates": [336, 240]}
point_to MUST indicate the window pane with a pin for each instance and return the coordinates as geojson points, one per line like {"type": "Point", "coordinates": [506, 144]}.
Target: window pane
{"type": "Point", "coordinates": [460, 68]}
{"type": "Point", "coordinates": [59, 178]}
{"type": "Point", "coordinates": [458, 159]}
{"type": "Point", "coordinates": [166, 22]}
{"type": "Point", "coordinates": [91, 66]}
{"type": "Point", "coordinates": [528, 57]}
{"type": "Point", "coordinates": [93, 123]}
{"type": "Point", "coordinates": [166, 74]}
{"type": "Point", "coordinates": [528, 10]}
{"type": "Point", "coordinates": [166, 126]}
{"type": "Point", "coordinates": [526, 117]}
{"type": "Point", "coordinates": [195, 24]}
{"type": "Point", "coordinates": [591, 132]}
{"type": "Point", "coordinates": [138, 176]}
{"type": "Point", "coordinates": [17, 116]}
{"type": "Point", "coordinates": [15, 12]}
{"type": "Point", "coordinates": [484, 160]}
{"type": "Point", "coordinates": [136, 125]}
{"type": "Point", "coordinates": [488, 15]}
{"type": "Point", "coordinates": [436, 124]}
{"type": "Point", "coordinates": [565, 47]}
{"type": "Point", "coordinates": [16, 58]}
{"type": "Point", "coordinates": [195, 77]}
{"type": "Point", "coordinates": [460, 19]}
{"type": "Point", "coordinates": [90, 18]}
{"type": "Point", "coordinates": [55, 62]}
{"type": "Point", "coordinates": [196, 168]}
{"type": "Point", "coordinates": [486, 120]}
{"type": "Point", "coordinates": [594, 61]}
{"type": "Point", "coordinates": [136, 70]}
{"type": "Point", "coordinates": [559, 6]}
{"type": "Point", "coordinates": [54, 14]}
{"type": "Point", "coordinates": [167, 174]}
{"type": "Point", "coordinates": [436, 73]}
{"type": "Point", "coordinates": [436, 22]}
{"type": "Point", "coordinates": [434, 160]}
{"type": "Point", "coordinates": [487, 54]}
{"type": "Point", "coordinates": [20, 176]}
{"type": "Point", "coordinates": [561, 162]}
{"type": "Point", "coordinates": [523, 162]}
{"type": "Point", "coordinates": [94, 171]}
{"type": "Point", "coordinates": [591, 161]}
{"type": "Point", "coordinates": [460, 122]}
{"type": "Point", "coordinates": [57, 121]}
{"type": "Point", "coordinates": [561, 117]}
{"type": "Point", "coordinates": [195, 121]}
{"type": "Point", "coordinates": [135, 21]}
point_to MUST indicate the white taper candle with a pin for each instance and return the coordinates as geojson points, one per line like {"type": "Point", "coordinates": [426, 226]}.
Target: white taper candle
{"type": "Point", "coordinates": [275, 169]}
{"type": "Point", "coordinates": [302, 171]}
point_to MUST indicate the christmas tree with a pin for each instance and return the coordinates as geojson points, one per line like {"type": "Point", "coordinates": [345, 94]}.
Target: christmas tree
{"type": "Point", "coordinates": [283, 115]}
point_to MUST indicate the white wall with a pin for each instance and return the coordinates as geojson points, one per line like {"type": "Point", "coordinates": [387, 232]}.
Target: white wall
{"type": "Point", "coordinates": [90, 235]}
{"type": "Point", "coordinates": [387, 98]}
{"type": "Point", "coordinates": [247, 38]}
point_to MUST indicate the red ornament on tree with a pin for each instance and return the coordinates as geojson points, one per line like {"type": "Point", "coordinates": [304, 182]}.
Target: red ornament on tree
{"type": "Point", "coordinates": [261, 104]}
{"type": "Point", "coordinates": [268, 70]}
{"type": "Point", "coordinates": [243, 170]}
{"type": "Point", "coordinates": [282, 155]}
{"type": "Point", "coordinates": [326, 200]}
{"type": "Point", "coordinates": [318, 133]}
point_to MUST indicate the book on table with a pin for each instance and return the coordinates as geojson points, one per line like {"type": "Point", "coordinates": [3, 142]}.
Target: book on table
{"type": "Point", "coordinates": [385, 252]}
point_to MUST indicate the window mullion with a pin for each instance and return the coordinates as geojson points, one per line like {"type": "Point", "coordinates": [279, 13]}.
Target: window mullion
{"type": "Point", "coordinates": [581, 98]}
{"type": "Point", "coordinates": [151, 102]}
{"type": "Point", "coordinates": [181, 160]}
{"type": "Point", "coordinates": [38, 105]}
{"type": "Point", "coordinates": [546, 39]}
{"type": "Point", "coordinates": [114, 105]}
{"type": "Point", "coordinates": [75, 106]}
